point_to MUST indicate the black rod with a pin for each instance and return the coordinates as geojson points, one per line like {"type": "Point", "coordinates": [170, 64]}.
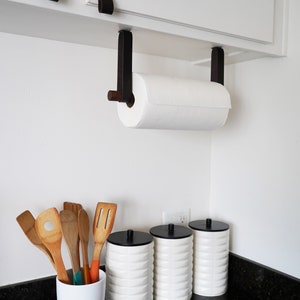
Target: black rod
{"type": "Point", "coordinates": [217, 65]}
{"type": "Point", "coordinates": [124, 79]}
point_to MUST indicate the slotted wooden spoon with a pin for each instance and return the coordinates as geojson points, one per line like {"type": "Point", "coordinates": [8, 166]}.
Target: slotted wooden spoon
{"type": "Point", "coordinates": [48, 228]}
{"type": "Point", "coordinates": [103, 224]}
{"type": "Point", "coordinates": [26, 222]}
{"type": "Point", "coordinates": [84, 231]}
{"type": "Point", "coordinates": [68, 220]}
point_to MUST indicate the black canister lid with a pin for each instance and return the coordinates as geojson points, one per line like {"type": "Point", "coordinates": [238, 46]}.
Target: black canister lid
{"type": "Point", "coordinates": [130, 238]}
{"type": "Point", "coordinates": [171, 231]}
{"type": "Point", "coordinates": [208, 225]}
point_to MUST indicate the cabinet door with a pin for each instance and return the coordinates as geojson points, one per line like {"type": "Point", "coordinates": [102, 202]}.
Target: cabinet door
{"type": "Point", "coordinates": [244, 19]}
{"type": "Point", "coordinates": [246, 29]}
{"type": "Point", "coordinates": [248, 19]}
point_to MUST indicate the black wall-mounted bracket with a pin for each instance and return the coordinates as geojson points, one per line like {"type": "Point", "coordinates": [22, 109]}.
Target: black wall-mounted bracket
{"type": "Point", "coordinates": [106, 6]}
{"type": "Point", "coordinates": [124, 81]}
{"type": "Point", "coordinates": [217, 65]}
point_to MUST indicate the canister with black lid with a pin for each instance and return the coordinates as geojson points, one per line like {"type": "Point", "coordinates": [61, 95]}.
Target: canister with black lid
{"type": "Point", "coordinates": [173, 262]}
{"type": "Point", "coordinates": [129, 266]}
{"type": "Point", "coordinates": [211, 249]}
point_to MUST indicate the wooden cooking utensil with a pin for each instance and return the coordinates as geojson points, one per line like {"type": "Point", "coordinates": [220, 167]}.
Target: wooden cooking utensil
{"type": "Point", "coordinates": [75, 207]}
{"type": "Point", "coordinates": [48, 228]}
{"type": "Point", "coordinates": [26, 222]}
{"type": "Point", "coordinates": [84, 231]}
{"type": "Point", "coordinates": [69, 225]}
{"type": "Point", "coordinates": [72, 206]}
{"type": "Point", "coordinates": [103, 224]}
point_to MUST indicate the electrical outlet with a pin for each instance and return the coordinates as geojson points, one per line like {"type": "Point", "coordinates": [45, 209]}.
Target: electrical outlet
{"type": "Point", "coordinates": [180, 217]}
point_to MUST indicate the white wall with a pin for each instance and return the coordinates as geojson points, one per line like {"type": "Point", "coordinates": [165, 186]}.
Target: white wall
{"type": "Point", "coordinates": [61, 140]}
{"type": "Point", "coordinates": [256, 158]}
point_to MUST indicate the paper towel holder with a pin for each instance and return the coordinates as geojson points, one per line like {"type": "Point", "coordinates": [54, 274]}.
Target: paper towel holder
{"type": "Point", "coordinates": [124, 79]}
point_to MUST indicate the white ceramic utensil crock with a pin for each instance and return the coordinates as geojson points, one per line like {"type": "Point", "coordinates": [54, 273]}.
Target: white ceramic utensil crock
{"type": "Point", "coordinates": [92, 291]}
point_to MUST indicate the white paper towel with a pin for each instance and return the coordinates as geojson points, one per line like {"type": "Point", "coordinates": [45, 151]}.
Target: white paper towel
{"type": "Point", "coordinates": [174, 103]}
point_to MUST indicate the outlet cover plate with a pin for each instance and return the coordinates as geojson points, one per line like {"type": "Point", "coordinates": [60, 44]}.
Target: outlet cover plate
{"type": "Point", "coordinates": [177, 217]}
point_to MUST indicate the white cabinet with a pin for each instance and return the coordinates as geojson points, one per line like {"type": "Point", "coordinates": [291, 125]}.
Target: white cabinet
{"type": "Point", "coordinates": [246, 29]}
{"type": "Point", "coordinates": [247, 19]}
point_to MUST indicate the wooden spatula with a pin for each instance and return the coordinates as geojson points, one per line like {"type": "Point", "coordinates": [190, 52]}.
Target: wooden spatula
{"type": "Point", "coordinates": [72, 206]}
{"type": "Point", "coordinates": [68, 220]}
{"type": "Point", "coordinates": [103, 224]}
{"type": "Point", "coordinates": [84, 231]}
{"type": "Point", "coordinates": [75, 207]}
{"type": "Point", "coordinates": [48, 228]}
{"type": "Point", "coordinates": [26, 222]}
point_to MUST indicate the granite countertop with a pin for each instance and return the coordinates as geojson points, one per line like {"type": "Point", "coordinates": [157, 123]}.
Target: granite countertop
{"type": "Point", "coordinates": [247, 280]}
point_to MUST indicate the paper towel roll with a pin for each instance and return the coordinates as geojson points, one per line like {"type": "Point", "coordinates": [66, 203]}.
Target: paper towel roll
{"type": "Point", "coordinates": [174, 103]}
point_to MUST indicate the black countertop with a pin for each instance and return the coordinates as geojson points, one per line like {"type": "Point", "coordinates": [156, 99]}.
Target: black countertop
{"type": "Point", "coordinates": [247, 280]}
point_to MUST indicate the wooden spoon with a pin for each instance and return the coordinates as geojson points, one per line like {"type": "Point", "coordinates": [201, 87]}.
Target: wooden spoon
{"type": "Point", "coordinates": [75, 207]}
{"type": "Point", "coordinates": [84, 231]}
{"type": "Point", "coordinates": [103, 224]}
{"type": "Point", "coordinates": [26, 222]}
{"type": "Point", "coordinates": [69, 227]}
{"type": "Point", "coordinates": [48, 228]}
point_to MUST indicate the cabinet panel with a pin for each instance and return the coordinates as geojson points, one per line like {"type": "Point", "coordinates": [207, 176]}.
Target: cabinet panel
{"type": "Point", "coordinates": [246, 29]}
{"type": "Point", "coordinates": [249, 19]}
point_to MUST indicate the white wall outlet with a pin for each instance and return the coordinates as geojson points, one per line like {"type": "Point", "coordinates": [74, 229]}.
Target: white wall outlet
{"type": "Point", "coordinates": [178, 217]}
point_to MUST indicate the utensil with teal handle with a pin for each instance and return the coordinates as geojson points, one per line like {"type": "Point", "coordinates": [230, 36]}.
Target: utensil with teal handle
{"type": "Point", "coordinates": [74, 207]}
{"type": "Point", "coordinates": [69, 226]}
{"type": "Point", "coordinates": [84, 231]}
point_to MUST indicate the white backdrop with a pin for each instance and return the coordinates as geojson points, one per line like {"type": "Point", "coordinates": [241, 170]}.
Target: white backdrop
{"type": "Point", "coordinates": [61, 140]}
{"type": "Point", "coordinates": [256, 159]}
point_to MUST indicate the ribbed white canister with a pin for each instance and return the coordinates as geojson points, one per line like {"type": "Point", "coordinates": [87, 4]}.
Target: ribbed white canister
{"type": "Point", "coordinates": [129, 266]}
{"type": "Point", "coordinates": [211, 249]}
{"type": "Point", "coordinates": [173, 262]}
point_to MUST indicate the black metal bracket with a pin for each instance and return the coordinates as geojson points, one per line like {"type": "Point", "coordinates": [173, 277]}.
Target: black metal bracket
{"type": "Point", "coordinates": [124, 81]}
{"type": "Point", "coordinates": [106, 6]}
{"type": "Point", "coordinates": [217, 65]}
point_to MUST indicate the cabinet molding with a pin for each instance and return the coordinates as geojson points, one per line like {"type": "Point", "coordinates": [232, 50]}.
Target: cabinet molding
{"type": "Point", "coordinates": [160, 34]}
